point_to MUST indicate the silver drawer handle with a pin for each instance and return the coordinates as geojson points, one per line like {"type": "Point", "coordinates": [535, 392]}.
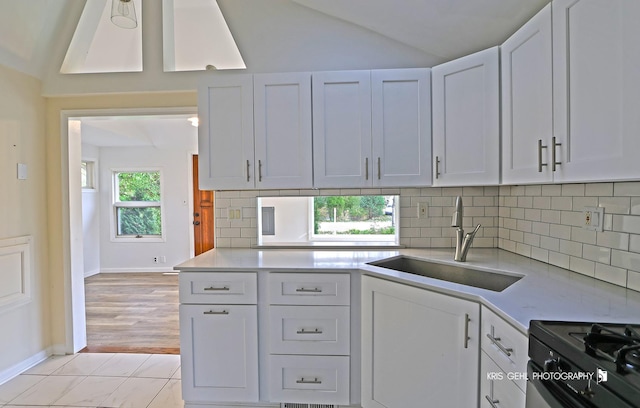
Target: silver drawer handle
{"type": "Point", "coordinates": [314, 381]}
{"type": "Point", "coordinates": [496, 341]}
{"type": "Point", "coordinates": [309, 290]}
{"type": "Point", "coordinates": [214, 288]}
{"type": "Point", "coordinates": [213, 312]}
{"type": "Point", "coordinates": [492, 402]}
{"type": "Point", "coordinates": [314, 331]}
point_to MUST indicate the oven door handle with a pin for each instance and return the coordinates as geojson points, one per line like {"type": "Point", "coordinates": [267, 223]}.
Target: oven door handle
{"type": "Point", "coordinates": [552, 392]}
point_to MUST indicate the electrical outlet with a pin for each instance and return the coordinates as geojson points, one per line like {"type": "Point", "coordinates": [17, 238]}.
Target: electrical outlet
{"type": "Point", "coordinates": [593, 218]}
{"type": "Point", "coordinates": [423, 210]}
{"type": "Point", "coordinates": [155, 259]}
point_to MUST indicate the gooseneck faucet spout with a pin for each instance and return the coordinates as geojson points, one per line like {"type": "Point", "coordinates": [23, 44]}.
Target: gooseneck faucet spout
{"type": "Point", "coordinates": [463, 241]}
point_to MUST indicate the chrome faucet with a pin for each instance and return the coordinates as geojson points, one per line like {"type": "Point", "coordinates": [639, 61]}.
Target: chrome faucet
{"type": "Point", "coordinates": [463, 242]}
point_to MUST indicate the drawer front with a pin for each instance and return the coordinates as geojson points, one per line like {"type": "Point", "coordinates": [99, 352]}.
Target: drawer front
{"type": "Point", "coordinates": [309, 288]}
{"type": "Point", "coordinates": [310, 330]}
{"type": "Point", "coordinates": [218, 288]}
{"type": "Point", "coordinates": [496, 387]}
{"type": "Point", "coordinates": [506, 346]}
{"type": "Point", "coordinates": [309, 379]}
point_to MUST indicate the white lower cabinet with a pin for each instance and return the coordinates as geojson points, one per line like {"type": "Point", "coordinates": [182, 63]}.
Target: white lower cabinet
{"type": "Point", "coordinates": [503, 363]}
{"type": "Point", "coordinates": [219, 353]}
{"type": "Point", "coordinates": [496, 390]}
{"type": "Point", "coordinates": [309, 338]}
{"type": "Point", "coordinates": [419, 348]}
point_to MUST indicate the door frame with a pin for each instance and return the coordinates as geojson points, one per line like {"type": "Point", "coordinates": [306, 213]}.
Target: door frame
{"type": "Point", "coordinates": [72, 242]}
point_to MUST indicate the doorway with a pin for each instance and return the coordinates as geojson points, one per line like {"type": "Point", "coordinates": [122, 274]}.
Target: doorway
{"type": "Point", "coordinates": [72, 153]}
{"type": "Point", "coordinates": [203, 214]}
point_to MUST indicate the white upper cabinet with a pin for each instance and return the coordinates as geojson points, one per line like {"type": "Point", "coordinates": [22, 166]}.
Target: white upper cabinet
{"type": "Point", "coordinates": [466, 120]}
{"type": "Point", "coordinates": [371, 128]}
{"type": "Point", "coordinates": [279, 156]}
{"type": "Point", "coordinates": [401, 127]}
{"type": "Point", "coordinates": [596, 78]}
{"type": "Point", "coordinates": [225, 134]}
{"type": "Point", "coordinates": [282, 118]}
{"type": "Point", "coordinates": [527, 102]}
{"type": "Point", "coordinates": [342, 129]}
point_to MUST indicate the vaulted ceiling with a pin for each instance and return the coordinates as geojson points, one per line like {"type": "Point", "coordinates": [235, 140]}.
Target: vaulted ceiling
{"type": "Point", "coordinates": [277, 35]}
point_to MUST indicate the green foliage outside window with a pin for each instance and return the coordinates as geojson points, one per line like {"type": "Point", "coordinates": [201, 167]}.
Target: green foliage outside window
{"type": "Point", "coordinates": [352, 209]}
{"type": "Point", "coordinates": [140, 213]}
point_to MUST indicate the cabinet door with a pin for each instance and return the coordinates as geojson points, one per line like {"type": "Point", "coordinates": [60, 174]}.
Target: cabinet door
{"type": "Point", "coordinates": [496, 389]}
{"type": "Point", "coordinates": [282, 116]}
{"type": "Point", "coordinates": [466, 120]}
{"type": "Point", "coordinates": [225, 134]}
{"type": "Point", "coordinates": [219, 353]}
{"type": "Point", "coordinates": [417, 346]}
{"type": "Point", "coordinates": [342, 129]}
{"type": "Point", "coordinates": [596, 55]}
{"type": "Point", "coordinates": [401, 127]}
{"type": "Point", "coordinates": [527, 102]}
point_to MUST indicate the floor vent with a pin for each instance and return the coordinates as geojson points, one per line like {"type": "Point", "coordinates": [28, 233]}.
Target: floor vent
{"type": "Point", "coordinates": [297, 405]}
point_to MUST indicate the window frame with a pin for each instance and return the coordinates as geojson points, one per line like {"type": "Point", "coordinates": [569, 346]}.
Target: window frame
{"type": "Point", "coordinates": [116, 204]}
{"type": "Point", "coordinates": [90, 166]}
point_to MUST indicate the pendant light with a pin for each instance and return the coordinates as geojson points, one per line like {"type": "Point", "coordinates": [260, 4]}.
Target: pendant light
{"type": "Point", "coordinates": [123, 13]}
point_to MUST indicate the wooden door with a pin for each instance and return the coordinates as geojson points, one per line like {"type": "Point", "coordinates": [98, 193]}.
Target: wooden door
{"type": "Point", "coordinates": [203, 214]}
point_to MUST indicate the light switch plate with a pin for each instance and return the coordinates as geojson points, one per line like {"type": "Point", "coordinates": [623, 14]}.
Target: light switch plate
{"type": "Point", "coordinates": [593, 218]}
{"type": "Point", "coordinates": [22, 171]}
{"type": "Point", "coordinates": [423, 210]}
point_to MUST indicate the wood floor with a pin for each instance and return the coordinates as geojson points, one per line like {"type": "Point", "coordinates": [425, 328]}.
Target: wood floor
{"type": "Point", "coordinates": [132, 312]}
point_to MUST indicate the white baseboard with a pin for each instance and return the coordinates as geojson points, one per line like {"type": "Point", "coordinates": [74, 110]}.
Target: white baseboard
{"type": "Point", "coordinates": [138, 270]}
{"type": "Point", "coordinates": [91, 273]}
{"type": "Point", "coordinates": [17, 369]}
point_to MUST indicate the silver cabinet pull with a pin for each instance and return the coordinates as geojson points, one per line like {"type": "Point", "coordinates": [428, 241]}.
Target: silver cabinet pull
{"type": "Point", "coordinates": [314, 331]}
{"type": "Point", "coordinates": [247, 170]}
{"type": "Point", "coordinates": [366, 168]}
{"type": "Point", "coordinates": [554, 162]}
{"type": "Point", "coordinates": [309, 290]}
{"type": "Point", "coordinates": [260, 170]}
{"type": "Point", "coordinates": [496, 340]}
{"type": "Point", "coordinates": [466, 330]}
{"type": "Point", "coordinates": [437, 167]}
{"type": "Point", "coordinates": [540, 163]}
{"type": "Point", "coordinates": [214, 312]}
{"type": "Point", "coordinates": [213, 288]}
{"type": "Point", "coordinates": [314, 381]}
{"type": "Point", "coordinates": [379, 168]}
{"type": "Point", "coordinates": [492, 402]}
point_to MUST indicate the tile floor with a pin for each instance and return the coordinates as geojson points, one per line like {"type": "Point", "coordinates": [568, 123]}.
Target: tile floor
{"type": "Point", "coordinates": [97, 380]}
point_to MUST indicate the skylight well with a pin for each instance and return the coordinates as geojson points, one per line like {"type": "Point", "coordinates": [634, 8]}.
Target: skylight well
{"type": "Point", "coordinates": [195, 36]}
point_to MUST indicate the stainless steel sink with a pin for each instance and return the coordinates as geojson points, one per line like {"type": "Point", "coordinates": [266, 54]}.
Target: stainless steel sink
{"type": "Point", "coordinates": [494, 281]}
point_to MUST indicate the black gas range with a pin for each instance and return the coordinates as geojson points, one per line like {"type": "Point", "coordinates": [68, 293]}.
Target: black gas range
{"type": "Point", "coordinates": [583, 365]}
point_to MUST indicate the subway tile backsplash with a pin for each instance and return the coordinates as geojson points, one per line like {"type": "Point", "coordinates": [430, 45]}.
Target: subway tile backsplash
{"type": "Point", "coordinates": [558, 236]}
{"type": "Point", "coordinates": [543, 222]}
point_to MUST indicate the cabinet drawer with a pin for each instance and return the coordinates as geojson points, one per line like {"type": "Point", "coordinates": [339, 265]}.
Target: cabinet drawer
{"type": "Point", "coordinates": [506, 346]}
{"type": "Point", "coordinates": [496, 386]}
{"type": "Point", "coordinates": [309, 288]}
{"type": "Point", "coordinates": [218, 287]}
{"type": "Point", "coordinates": [309, 330]}
{"type": "Point", "coordinates": [309, 379]}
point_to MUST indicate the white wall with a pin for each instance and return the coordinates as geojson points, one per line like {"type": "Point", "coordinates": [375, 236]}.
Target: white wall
{"type": "Point", "coordinates": [138, 257]}
{"type": "Point", "coordinates": [291, 219]}
{"type": "Point", "coordinates": [91, 216]}
{"type": "Point", "coordinates": [23, 212]}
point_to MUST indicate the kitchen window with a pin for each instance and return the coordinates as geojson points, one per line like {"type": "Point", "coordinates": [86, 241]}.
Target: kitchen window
{"type": "Point", "coordinates": [137, 205]}
{"type": "Point", "coordinates": [370, 220]}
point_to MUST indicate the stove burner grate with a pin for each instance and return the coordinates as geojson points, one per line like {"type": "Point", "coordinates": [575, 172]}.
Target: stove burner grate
{"type": "Point", "coordinates": [621, 347]}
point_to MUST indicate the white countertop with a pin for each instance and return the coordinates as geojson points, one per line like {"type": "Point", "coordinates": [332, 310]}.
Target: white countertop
{"type": "Point", "coordinates": [544, 293]}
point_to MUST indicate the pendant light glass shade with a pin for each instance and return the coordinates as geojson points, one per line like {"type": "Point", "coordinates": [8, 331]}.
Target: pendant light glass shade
{"type": "Point", "coordinates": [123, 13]}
